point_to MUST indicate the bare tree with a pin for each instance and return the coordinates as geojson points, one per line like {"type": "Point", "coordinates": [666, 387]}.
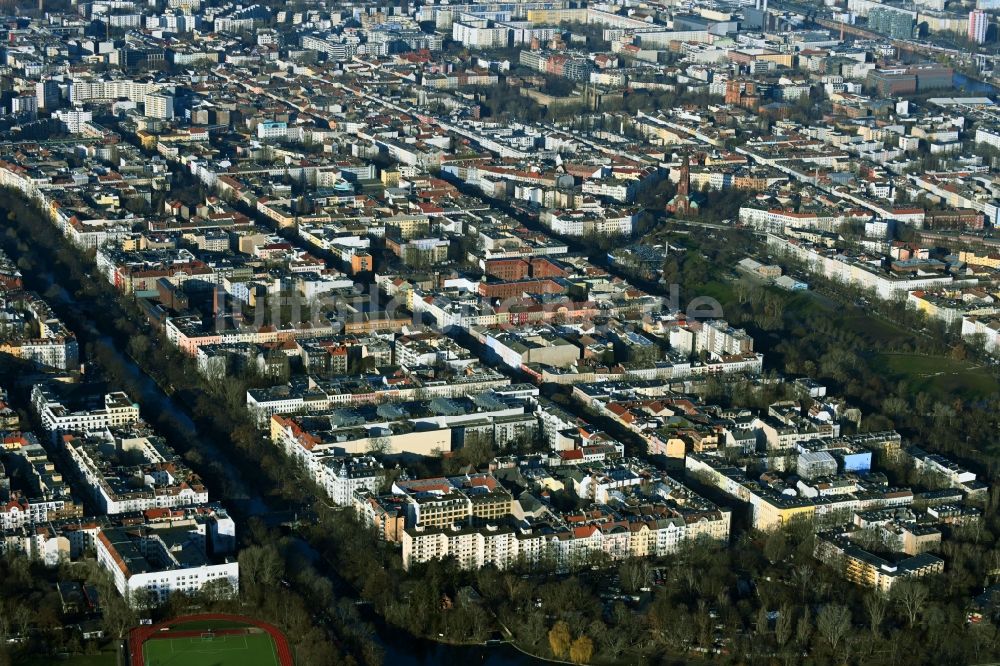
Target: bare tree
{"type": "Point", "coordinates": [6, 619]}
{"type": "Point", "coordinates": [634, 574]}
{"type": "Point", "coordinates": [690, 577]}
{"type": "Point", "coordinates": [783, 625]}
{"type": "Point", "coordinates": [804, 629]}
{"type": "Point", "coordinates": [272, 565]}
{"type": "Point", "coordinates": [911, 596]}
{"type": "Point", "coordinates": [876, 606]}
{"type": "Point", "coordinates": [581, 650]}
{"type": "Point", "coordinates": [776, 547]}
{"type": "Point", "coordinates": [615, 643]}
{"type": "Point", "coordinates": [379, 446]}
{"type": "Point", "coordinates": [803, 576]}
{"type": "Point", "coordinates": [834, 621]}
{"type": "Point", "coordinates": [22, 619]}
{"type": "Point", "coordinates": [703, 623]}
{"type": "Point", "coordinates": [117, 615]}
{"type": "Point", "coordinates": [763, 624]}
{"type": "Point", "coordinates": [984, 638]}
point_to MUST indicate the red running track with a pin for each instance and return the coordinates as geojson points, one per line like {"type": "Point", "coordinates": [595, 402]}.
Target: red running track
{"type": "Point", "coordinates": [140, 635]}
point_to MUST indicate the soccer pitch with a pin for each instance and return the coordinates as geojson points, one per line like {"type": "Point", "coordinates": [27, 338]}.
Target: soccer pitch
{"type": "Point", "coordinates": [253, 649]}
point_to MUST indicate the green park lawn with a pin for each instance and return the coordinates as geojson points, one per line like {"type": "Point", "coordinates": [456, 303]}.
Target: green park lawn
{"type": "Point", "coordinates": [101, 659]}
{"type": "Point", "coordinates": [939, 376]}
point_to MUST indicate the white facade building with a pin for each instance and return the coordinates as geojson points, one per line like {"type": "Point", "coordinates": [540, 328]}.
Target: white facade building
{"type": "Point", "coordinates": [118, 410]}
{"type": "Point", "coordinates": [149, 565]}
{"type": "Point", "coordinates": [160, 105]}
{"type": "Point", "coordinates": [343, 476]}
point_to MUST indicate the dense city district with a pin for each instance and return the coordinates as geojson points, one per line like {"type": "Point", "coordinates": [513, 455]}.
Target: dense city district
{"type": "Point", "coordinates": [352, 333]}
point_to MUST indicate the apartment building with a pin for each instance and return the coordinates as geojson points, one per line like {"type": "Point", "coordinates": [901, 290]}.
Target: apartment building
{"type": "Point", "coordinates": [344, 477]}
{"type": "Point", "coordinates": [321, 395]}
{"type": "Point", "coordinates": [561, 548]}
{"type": "Point", "coordinates": [866, 273]}
{"type": "Point", "coordinates": [714, 336]}
{"type": "Point", "coordinates": [773, 504]}
{"type": "Point", "coordinates": [159, 105]}
{"type": "Point", "coordinates": [386, 514]}
{"type": "Point", "coordinates": [953, 474]}
{"type": "Point", "coordinates": [865, 568]}
{"type": "Point", "coordinates": [55, 417]}
{"type": "Point", "coordinates": [106, 463]}
{"type": "Point", "coordinates": [82, 91]}
{"type": "Point", "coordinates": [39, 493]}
{"type": "Point", "coordinates": [149, 563]}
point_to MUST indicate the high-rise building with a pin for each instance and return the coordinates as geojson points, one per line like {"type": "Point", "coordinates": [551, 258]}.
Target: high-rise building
{"type": "Point", "coordinates": [892, 22]}
{"type": "Point", "coordinates": [159, 105]}
{"type": "Point", "coordinates": [47, 94]}
{"type": "Point", "coordinates": [978, 24]}
{"type": "Point", "coordinates": [74, 119]}
{"type": "Point", "coordinates": [24, 105]}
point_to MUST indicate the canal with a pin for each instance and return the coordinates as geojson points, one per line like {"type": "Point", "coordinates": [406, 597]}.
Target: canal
{"type": "Point", "coordinates": [418, 652]}
{"type": "Point", "coordinates": [972, 86]}
{"type": "Point", "coordinates": [401, 648]}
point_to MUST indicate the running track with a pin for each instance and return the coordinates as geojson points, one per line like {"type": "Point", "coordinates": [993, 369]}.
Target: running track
{"type": "Point", "coordinates": [140, 635]}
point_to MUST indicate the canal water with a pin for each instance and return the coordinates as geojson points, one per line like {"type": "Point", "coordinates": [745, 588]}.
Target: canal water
{"type": "Point", "coordinates": [417, 652]}
{"type": "Point", "coordinates": [973, 86]}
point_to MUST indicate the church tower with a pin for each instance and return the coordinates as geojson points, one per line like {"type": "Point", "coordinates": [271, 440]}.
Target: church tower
{"type": "Point", "coordinates": [682, 202]}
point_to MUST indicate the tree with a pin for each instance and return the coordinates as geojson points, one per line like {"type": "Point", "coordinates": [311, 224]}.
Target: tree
{"type": "Point", "coordinates": [776, 547]}
{"type": "Point", "coordinates": [117, 616]}
{"type": "Point", "coordinates": [763, 624]}
{"type": "Point", "coordinates": [783, 626]}
{"type": "Point", "coordinates": [532, 629]}
{"type": "Point", "coordinates": [804, 629]}
{"type": "Point", "coordinates": [803, 576]}
{"type": "Point", "coordinates": [834, 621]}
{"type": "Point", "coordinates": [22, 619]}
{"type": "Point", "coordinates": [379, 446]}
{"type": "Point", "coordinates": [911, 596]}
{"type": "Point", "coordinates": [219, 589]}
{"type": "Point", "coordinates": [559, 639]}
{"type": "Point", "coordinates": [138, 347]}
{"type": "Point", "coordinates": [581, 650]}
{"type": "Point", "coordinates": [875, 607]}
{"type": "Point", "coordinates": [634, 573]}
{"type": "Point", "coordinates": [615, 642]}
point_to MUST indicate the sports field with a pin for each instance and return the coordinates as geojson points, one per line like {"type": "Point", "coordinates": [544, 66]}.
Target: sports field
{"type": "Point", "coordinates": [209, 640]}
{"type": "Point", "coordinates": [248, 649]}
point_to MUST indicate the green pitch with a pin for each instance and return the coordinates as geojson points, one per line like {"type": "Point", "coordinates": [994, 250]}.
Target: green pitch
{"type": "Point", "coordinates": [256, 649]}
